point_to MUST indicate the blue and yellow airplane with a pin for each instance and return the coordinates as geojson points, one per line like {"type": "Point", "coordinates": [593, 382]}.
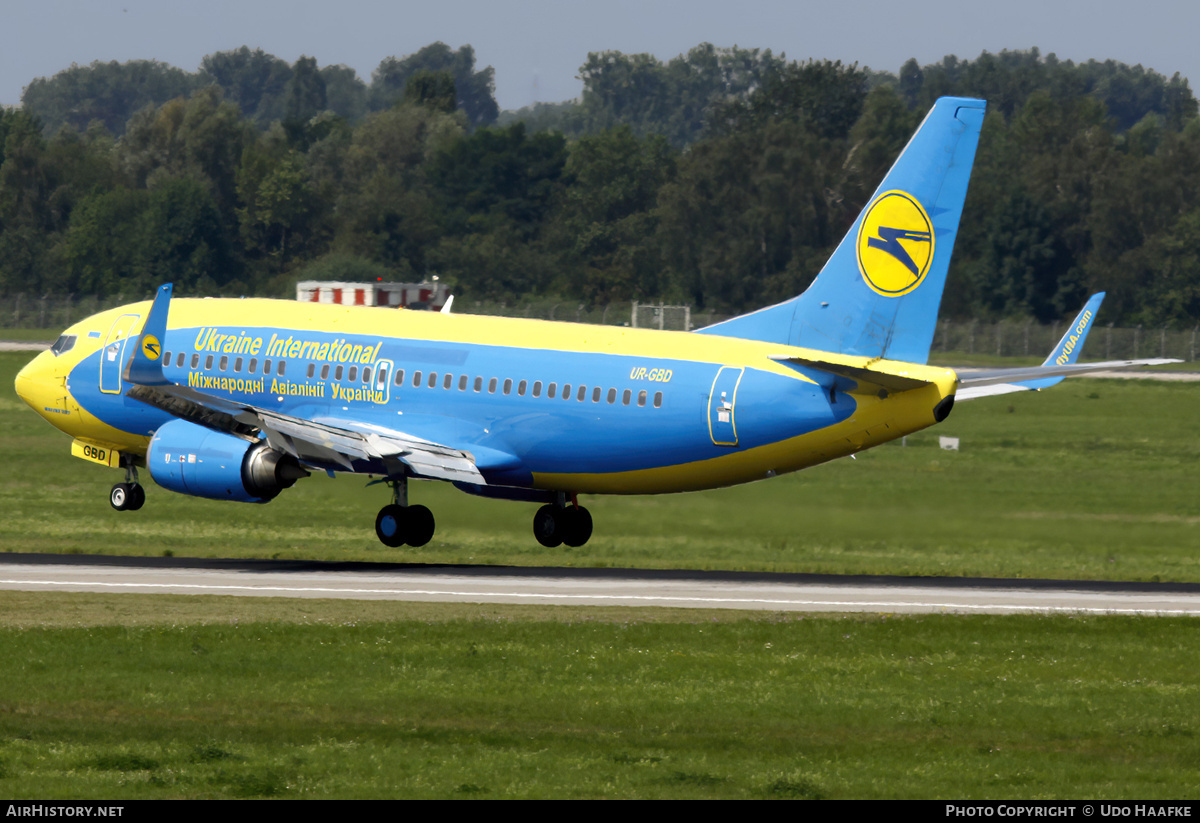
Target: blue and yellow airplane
{"type": "Point", "coordinates": [239, 399]}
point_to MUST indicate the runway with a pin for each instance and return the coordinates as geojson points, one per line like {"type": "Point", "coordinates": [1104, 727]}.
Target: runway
{"type": "Point", "coordinates": [592, 587]}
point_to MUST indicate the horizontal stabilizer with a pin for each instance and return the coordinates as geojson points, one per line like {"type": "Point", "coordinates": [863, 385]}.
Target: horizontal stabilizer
{"type": "Point", "coordinates": [896, 381]}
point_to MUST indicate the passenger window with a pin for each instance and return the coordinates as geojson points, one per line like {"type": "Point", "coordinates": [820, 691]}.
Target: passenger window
{"type": "Point", "coordinates": [208, 362]}
{"type": "Point", "coordinates": [521, 387]}
{"type": "Point", "coordinates": [566, 395]}
{"type": "Point", "coordinates": [366, 378]}
{"type": "Point", "coordinates": [658, 399]}
{"type": "Point", "coordinates": [224, 362]}
{"type": "Point", "coordinates": [166, 359]}
{"type": "Point", "coordinates": [596, 395]}
{"type": "Point", "coordinates": [399, 377]}
{"type": "Point", "coordinates": [253, 365]}
{"type": "Point", "coordinates": [642, 397]}
{"type": "Point", "coordinates": [462, 383]}
{"type": "Point", "coordinates": [381, 376]}
{"type": "Point", "coordinates": [179, 361]}
{"type": "Point", "coordinates": [537, 388]}
{"type": "Point", "coordinates": [553, 387]}
{"type": "Point", "coordinates": [238, 363]}
{"type": "Point", "coordinates": [478, 384]}
{"type": "Point", "coordinates": [353, 375]}
{"type": "Point", "coordinates": [310, 372]}
{"type": "Point", "coordinates": [582, 394]}
{"type": "Point", "coordinates": [492, 386]}
{"type": "Point", "coordinates": [337, 373]}
{"type": "Point", "coordinates": [195, 360]}
{"type": "Point", "coordinates": [508, 385]}
{"type": "Point", "coordinates": [416, 380]}
{"type": "Point", "coordinates": [432, 380]}
{"type": "Point", "coordinates": [448, 381]}
{"type": "Point", "coordinates": [626, 397]}
{"type": "Point", "coordinates": [612, 395]}
{"type": "Point", "coordinates": [266, 366]}
{"type": "Point", "coordinates": [279, 369]}
{"type": "Point", "coordinates": [324, 371]}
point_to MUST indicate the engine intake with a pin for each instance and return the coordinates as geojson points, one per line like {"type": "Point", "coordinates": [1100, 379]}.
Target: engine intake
{"type": "Point", "coordinates": [191, 459]}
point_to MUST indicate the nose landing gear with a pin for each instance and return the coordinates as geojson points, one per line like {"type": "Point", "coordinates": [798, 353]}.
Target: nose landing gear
{"type": "Point", "coordinates": [128, 496]}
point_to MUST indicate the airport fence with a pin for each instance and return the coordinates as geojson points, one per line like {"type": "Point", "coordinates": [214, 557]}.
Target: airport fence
{"type": "Point", "coordinates": [1003, 339]}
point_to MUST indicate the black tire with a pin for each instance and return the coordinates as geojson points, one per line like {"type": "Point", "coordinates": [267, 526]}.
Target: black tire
{"type": "Point", "coordinates": [119, 496]}
{"type": "Point", "coordinates": [391, 526]}
{"type": "Point", "coordinates": [547, 527]}
{"type": "Point", "coordinates": [577, 526]}
{"type": "Point", "coordinates": [137, 497]}
{"type": "Point", "coordinates": [420, 525]}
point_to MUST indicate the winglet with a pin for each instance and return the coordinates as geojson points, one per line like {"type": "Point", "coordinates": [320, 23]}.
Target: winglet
{"type": "Point", "coordinates": [1068, 348]}
{"type": "Point", "coordinates": [144, 366]}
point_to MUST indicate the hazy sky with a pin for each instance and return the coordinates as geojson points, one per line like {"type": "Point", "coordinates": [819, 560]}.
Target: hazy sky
{"type": "Point", "coordinates": [537, 46]}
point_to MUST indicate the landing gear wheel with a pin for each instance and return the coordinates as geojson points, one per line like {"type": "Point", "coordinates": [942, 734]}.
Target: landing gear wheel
{"type": "Point", "coordinates": [420, 525]}
{"type": "Point", "coordinates": [396, 525]}
{"type": "Point", "coordinates": [137, 497]}
{"type": "Point", "coordinates": [119, 496]}
{"type": "Point", "coordinates": [389, 526]}
{"type": "Point", "coordinates": [577, 525]}
{"type": "Point", "coordinates": [547, 527]}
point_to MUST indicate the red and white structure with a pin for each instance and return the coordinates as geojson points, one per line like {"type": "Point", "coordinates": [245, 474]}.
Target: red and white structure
{"type": "Point", "coordinates": [431, 294]}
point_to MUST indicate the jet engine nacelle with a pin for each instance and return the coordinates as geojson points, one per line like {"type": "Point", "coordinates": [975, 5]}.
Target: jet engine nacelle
{"type": "Point", "coordinates": [191, 459]}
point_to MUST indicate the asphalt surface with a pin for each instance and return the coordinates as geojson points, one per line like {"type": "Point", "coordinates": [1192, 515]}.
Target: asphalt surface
{"type": "Point", "coordinates": [592, 587]}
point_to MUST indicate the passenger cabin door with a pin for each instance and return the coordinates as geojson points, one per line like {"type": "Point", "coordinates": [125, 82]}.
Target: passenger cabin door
{"type": "Point", "coordinates": [112, 356]}
{"type": "Point", "coordinates": [721, 401]}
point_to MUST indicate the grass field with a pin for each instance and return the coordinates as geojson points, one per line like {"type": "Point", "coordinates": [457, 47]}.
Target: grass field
{"type": "Point", "coordinates": [158, 696]}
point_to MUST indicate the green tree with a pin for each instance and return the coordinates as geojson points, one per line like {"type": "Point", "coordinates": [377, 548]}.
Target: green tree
{"type": "Point", "coordinates": [304, 99]}
{"type": "Point", "coordinates": [475, 89]}
{"type": "Point", "coordinates": [608, 218]}
{"type": "Point", "coordinates": [109, 92]}
{"type": "Point", "coordinates": [130, 241]}
{"type": "Point", "coordinates": [253, 80]}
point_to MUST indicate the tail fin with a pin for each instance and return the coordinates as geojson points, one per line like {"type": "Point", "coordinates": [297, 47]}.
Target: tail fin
{"type": "Point", "coordinates": [878, 295]}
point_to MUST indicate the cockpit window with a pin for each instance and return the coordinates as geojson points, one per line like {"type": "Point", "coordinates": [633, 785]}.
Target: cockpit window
{"type": "Point", "coordinates": [63, 344]}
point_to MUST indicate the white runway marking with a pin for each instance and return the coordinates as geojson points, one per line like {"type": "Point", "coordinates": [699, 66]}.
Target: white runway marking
{"type": "Point", "coordinates": [627, 589]}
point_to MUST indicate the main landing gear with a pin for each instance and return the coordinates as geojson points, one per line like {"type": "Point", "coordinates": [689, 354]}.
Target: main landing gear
{"type": "Point", "coordinates": [555, 524]}
{"type": "Point", "coordinates": [399, 523]}
{"type": "Point", "coordinates": [558, 524]}
{"type": "Point", "coordinates": [128, 496]}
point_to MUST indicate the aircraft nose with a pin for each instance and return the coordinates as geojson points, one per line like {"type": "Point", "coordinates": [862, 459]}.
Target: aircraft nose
{"type": "Point", "coordinates": [40, 385]}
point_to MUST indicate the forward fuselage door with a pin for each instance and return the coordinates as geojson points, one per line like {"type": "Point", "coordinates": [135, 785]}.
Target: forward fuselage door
{"type": "Point", "coordinates": [112, 356]}
{"type": "Point", "coordinates": [721, 402]}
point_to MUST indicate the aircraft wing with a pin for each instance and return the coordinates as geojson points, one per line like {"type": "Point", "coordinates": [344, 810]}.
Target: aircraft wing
{"type": "Point", "coordinates": [338, 443]}
{"type": "Point", "coordinates": [988, 382]}
{"type": "Point", "coordinates": [1061, 363]}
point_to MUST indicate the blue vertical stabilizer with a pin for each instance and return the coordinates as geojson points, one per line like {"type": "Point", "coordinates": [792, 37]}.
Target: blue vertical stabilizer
{"type": "Point", "coordinates": [878, 295]}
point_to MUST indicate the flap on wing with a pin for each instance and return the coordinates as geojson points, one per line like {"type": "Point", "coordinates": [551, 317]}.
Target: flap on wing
{"type": "Point", "coordinates": [333, 442]}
